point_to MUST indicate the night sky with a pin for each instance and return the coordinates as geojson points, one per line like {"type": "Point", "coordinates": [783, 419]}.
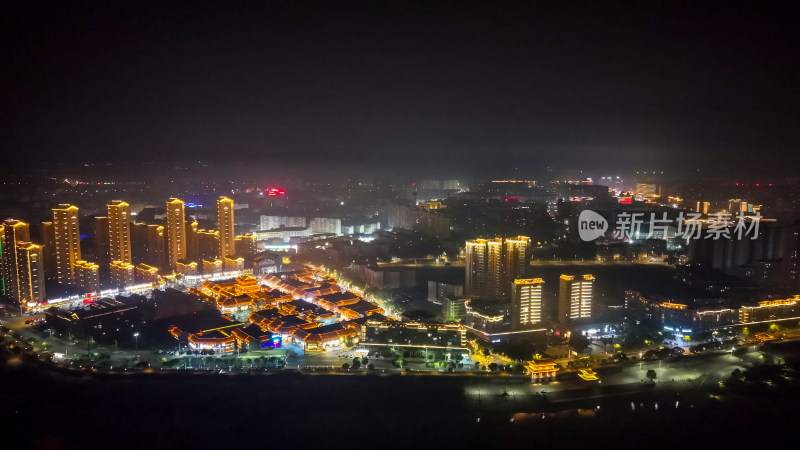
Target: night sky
{"type": "Point", "coordinates": [436, 85]}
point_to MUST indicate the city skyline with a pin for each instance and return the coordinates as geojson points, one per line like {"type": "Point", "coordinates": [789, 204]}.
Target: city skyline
{"type": "Point", "coordinates": [424, 224]}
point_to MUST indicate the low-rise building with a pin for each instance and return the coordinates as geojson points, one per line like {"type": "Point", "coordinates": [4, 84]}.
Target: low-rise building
{"type": "Point", "coordinates": [413, 334]}
{"type": "Point", "coordinates": [770, 310]}
{"type": "Point", "coordinates": [283, 234]}
{"type": "Point", "coordinates": [101, 319]}
{"type": "Point", "coordinates": [541, 369]}
{"type": "Point", "coordinates": [187, 268]}
{"type": "Point", "coordinates": [122, 274]}
{"type": "Point", "coordinates": [679, 318]}
{"type": "Point", "coordinates": [212, 266]}
{"type": "Point", "coordinates": [438, 291]}
{"type": "Point", "coordinates": [454, 309]}
{"type": "Point", "coordinates": [206, 330]}
{"type": "Point", "coordinates": [388, 278]}
{"type": "Point", "coordinates": [147, 273]}
{"type": "Point", "coordinates": [87, 276]}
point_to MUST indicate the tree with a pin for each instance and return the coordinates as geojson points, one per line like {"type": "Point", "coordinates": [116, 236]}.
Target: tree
{"type": "Point", "coordinates": [345, 366]}
{"type": "Point", "coordinates": [493, 367]}
{"type": "Point", "coordinates": [651, 374]}
{"type": "Point", "coordinates": [578, 342]}
{"type": "Point", "coordinates": [518, 351]}
{"type": "Point", "coordinates": [370, 366]}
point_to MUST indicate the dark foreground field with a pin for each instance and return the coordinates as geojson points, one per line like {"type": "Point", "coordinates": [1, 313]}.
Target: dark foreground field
{"type": "Point", "coordinates": [291, 410]}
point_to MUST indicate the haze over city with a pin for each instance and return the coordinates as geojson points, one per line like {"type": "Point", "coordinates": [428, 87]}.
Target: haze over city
{"type": "Point", "coordinates": [433, 224]}
{"type": "Point", "coordinates": [464, 87]}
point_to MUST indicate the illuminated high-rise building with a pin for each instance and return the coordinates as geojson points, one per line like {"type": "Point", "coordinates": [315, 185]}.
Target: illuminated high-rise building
{"type": "Point", "coordinates": [191, 240]}
{"type": "Point", "coordinates": [575, 297]}
{"type": "Point", "coordinates": [68, 241]}
{"type": "Point", "coordinates": [12, 233]}
{"type": "Point", "coordinates": [176, 233]}
{"type": "Point", "coordinates": [150, 246]}
{"type": "Point", "coordinates": [493, 287]}
{"type": "Point", "coordinates": [475, 265]}
{"type": "Point", "coordinates": [102, 245]}
{"type": "Point", "coordinates": [119, 231]}
{"type": "Point", "coordinates": [526, 302]}
{"type": "Point", "coordinates": [87, 276]}
{"type": "Point", "coordinates": [48, 239]}
{"type": "Point", "coordinates": [139, 242]}
{"type": "Point", "coordinates": [246, 248]}
{"type": "Point", "coordinates": [208, 245]}
{"type": "Point", "coordinates": [30, 274]}
{"type": "Point", "coordinates": [122, 274]}
{"type": "Point", "coordinates": [491, 265]}
{"type": "Point", "coordinates": [516, 260]}
{"type": "Point", "coordinates": [225, 226]}
{"type": "Point", "coordinates": [157, 246]}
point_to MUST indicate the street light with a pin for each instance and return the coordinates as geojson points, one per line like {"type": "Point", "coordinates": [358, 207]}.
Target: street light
{"type": "Point", "coordinates": [136, 335]}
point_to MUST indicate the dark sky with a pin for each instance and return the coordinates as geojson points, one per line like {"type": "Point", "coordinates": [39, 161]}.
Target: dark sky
{"type": "Point", "coordinates": [456, 86]}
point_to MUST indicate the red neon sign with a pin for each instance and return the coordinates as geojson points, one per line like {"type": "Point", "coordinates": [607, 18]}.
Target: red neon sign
{"type": "Point", "coordinates": [275, 191]}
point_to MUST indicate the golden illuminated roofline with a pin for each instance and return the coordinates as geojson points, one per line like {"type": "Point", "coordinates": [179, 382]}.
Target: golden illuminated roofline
{"type": "Point", "coordinates": [147, 268]}
{"type": "Point", "coordinates": [477, 242]}
{"type": "Point", "coordinates": [528, 281]}
{"type": "Point", "coordinates": [586, 277]}
{"type": "Point", "coordinates": [787, 301]}
{"type": "Point", "coordinates": [65, 207]}
{"type": "Point", "coordinates": [14, 223]}
{"type": "Point", "coordinates": [121, 264]}
{"type": "Point", "coordinates": [673, 305]}
{"type": "Point", "coordinates": [774, 303]}
{"type": "Point", "coordinates": [525, 239]}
